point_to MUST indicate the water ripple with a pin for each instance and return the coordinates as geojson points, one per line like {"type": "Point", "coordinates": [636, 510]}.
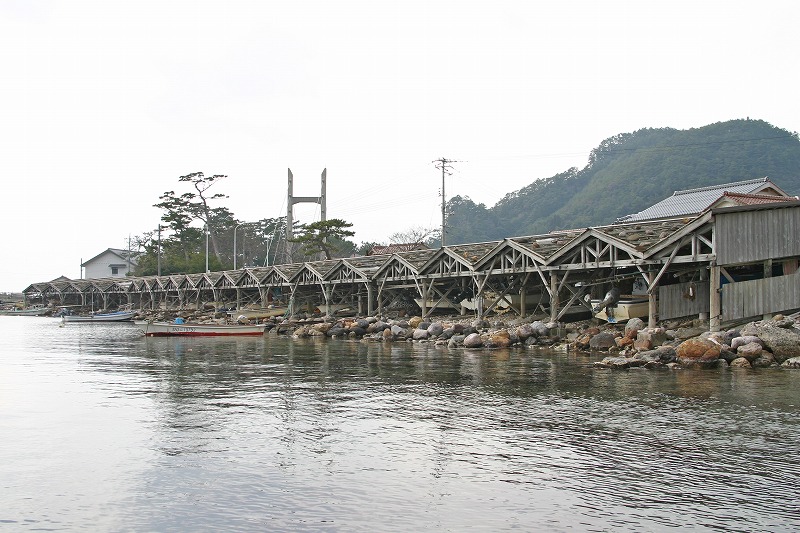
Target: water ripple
{"type": "Point", "coordinates": [106, 430]}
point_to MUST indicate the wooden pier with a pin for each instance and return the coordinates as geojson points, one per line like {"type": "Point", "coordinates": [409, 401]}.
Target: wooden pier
{"type": "Point", "coordinates": [724, 264]}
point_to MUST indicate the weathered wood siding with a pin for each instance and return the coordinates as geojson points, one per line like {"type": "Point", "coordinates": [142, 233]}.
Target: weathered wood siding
{"type": "Point", "coordinates": [760, 296]}
{"type": "Point", "coordinates": [673, 300]}
{"type": "Point", "coordinates": [748, 236]}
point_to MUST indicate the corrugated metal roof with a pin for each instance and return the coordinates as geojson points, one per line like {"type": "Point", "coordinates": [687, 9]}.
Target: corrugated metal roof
{"type": "Point", "coordinates": [694, 201]}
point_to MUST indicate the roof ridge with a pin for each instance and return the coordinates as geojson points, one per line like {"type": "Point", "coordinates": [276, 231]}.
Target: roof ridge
{"type": "Point", "coordinates": [712, 187]}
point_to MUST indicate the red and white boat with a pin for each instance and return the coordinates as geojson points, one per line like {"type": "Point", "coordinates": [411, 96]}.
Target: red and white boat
{"type": "Point", "coordinates": [171, 329]}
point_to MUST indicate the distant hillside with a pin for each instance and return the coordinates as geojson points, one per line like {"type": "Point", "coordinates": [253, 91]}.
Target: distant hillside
{"type": "Point", "coordinates": [631, 171]}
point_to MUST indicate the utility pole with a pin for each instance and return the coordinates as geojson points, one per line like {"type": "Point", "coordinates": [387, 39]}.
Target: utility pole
{"type": "Point", "coordinates": [205, 228]}
{"type": "Point", "coordinates": [159, 249]}
{"type": "Point", "coordinates": [444, 164]}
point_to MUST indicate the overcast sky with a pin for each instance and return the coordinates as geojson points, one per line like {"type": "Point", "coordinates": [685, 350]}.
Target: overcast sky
{"type": "Point", "coordinates": [104, 104]}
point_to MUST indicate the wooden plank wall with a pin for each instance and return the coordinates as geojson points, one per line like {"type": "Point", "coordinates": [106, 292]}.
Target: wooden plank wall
{"type": "Point", "coordinates": [674, 302]}
{"type": "Point", "coordinates": [757, 297]}
{"type": "Point", "coordinates": [749, 236]}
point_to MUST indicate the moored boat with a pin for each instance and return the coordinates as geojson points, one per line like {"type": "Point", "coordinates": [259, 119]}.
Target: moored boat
{"type": "Point", "coordinates": [625, 309]}
{"type": "Point", "coordinates": [117, 316]}
{"type": "Point", "coordinates": [31, 311]}
{"type": "Point", "coordinates": [171, 329]}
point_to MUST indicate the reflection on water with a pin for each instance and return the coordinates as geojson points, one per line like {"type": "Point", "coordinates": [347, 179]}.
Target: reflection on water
{"type": "Point", "coordinates": [107, 430]}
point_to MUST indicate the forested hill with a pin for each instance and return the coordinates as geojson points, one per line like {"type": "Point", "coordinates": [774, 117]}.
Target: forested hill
{"type": "Point", "coordinates": [631, 171]}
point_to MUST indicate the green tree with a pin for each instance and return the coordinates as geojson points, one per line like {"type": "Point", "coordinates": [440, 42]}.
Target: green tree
{"type": "Point", "coordinates": [180, 211]}
{"type": "Point", "coordinates": [325, 236]}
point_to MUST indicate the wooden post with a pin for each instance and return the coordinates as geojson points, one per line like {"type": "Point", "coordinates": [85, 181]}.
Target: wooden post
{"type": "Point", "coordinates": [424, 295]}
{"type": "Point", "coordinates": [703, 276]}
{"type": "Point", "coordinates": [327, 294]}
{"type": "Point", "coordinates": [463, 310]}
{"type": "Point", "coordinates": [652, 304]}
{"type": "Point", "coordinates": [370, 300]}
{"type": "Point", "coordinates": [715, 303]}
{"type": "Point", "coordinates": [522, 294]}
{"type": "Point", "coordinates": [767, 274]}
{"type": "Point", "coordinates": [553, 296]}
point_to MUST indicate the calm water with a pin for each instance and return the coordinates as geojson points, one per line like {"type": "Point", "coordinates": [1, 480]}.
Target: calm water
{"type": "Point", "coordinates": [104, 430]}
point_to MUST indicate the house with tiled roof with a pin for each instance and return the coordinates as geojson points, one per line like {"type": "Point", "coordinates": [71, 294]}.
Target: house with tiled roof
{"type": "Point", "coordinates": [692, 202]}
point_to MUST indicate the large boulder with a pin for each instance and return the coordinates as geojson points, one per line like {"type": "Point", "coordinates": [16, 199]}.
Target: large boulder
{"type": "Point", "coordinates": [420, 334]}
{"type": "Point", "coordinates": [633, 326]}
{"type": "Point", "coordinates": [793, 362]}
{"type": "Point", "coordinates": [765, 360]}
{"type": "Point", "coordinates": [745, 339]}
{"type": "Point", "coordinates": [662, 354]}
{"type": "Point", "coordinates": [617, 362]}
{"type": "Point", "coordinates": [750, 351]}
{"type": "Point", "coordinates": [741, 362]}
{"type": "Point", "coordinates": [446, 333]}
{"type": "Point", "coordinates": [697, 351]}
{"type": "Point", "coordinates": [499, 339]}
{"type": "Point", "coordinates": [377, 326]}
{"type": "Point", "coordinates": [540, 329]}
{"type": "Point", "coordinates": [397, 330]}
{"type": "Point", "coordinates": [435, 329]}
{"type": "Point", "coordinates": [455, 340]}
{"type": "Point", "coordinates": [524, 331]}
{"type": "Point", "coordinates": [603, 341]}
{"type": "Point", "coordinates": [783, 342]}
{"type": "Point", "coordinates": [473, 340]}
{"type": "Point", "coordinates": [322, 327]}
{"type": "Point", "coordinates": [336, 331]}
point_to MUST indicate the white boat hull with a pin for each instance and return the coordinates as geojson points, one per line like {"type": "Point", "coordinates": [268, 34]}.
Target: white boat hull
{"type": "Point", "coordinates": [119, 316]}
{"type": "Point", "coordinates": [625, 310]}
{"type": "Point", "coordinates": [33, 311]}
{"type": "Point", "coordinates": [170, 329]}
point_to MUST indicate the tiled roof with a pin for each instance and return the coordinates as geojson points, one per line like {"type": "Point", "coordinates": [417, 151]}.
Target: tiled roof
{"type": "Point", "coordinates": [694, 201]}
{"type": "Point", "coordinates": [546, 245]}
{"type": "Point", "coordinates": [755, 199]}
{"type": "Point", "coordinates": [395, 248]}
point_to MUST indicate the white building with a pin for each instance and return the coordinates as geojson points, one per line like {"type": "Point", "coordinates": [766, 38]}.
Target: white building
{"type": "Point", "coordinates": [112, 263]}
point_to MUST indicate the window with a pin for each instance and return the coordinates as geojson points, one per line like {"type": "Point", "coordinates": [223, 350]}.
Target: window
{"type": "Point", "coordinates": [114, 270]}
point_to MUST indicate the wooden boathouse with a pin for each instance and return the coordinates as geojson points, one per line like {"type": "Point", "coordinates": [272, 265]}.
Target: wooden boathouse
{"type": "Point", "coordinates": [723, 264]}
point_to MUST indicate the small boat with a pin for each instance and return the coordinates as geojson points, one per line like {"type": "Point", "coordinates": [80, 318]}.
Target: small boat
{"type": "Point", "coordinates": [31, 311]}
{"type": "Point", "coordinates": [171, 329]}
{"type": "Point", "coordinates": [116, 316]}
{"type": "Point", "coordinates": [625, 310]}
